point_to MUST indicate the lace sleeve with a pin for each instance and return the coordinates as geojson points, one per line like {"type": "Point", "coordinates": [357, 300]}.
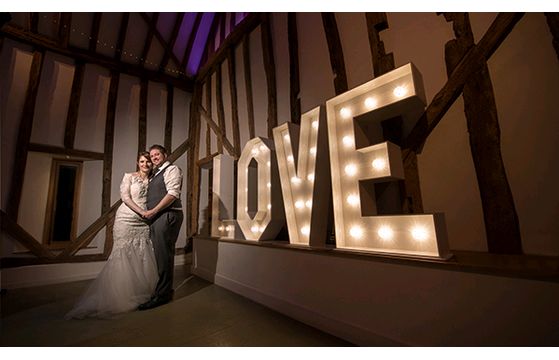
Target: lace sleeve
{"type": "Point", "coordinates": [125, 188]}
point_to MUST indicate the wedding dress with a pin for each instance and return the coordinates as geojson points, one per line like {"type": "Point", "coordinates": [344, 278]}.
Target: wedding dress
{"type": "Point", "coordinates": [130, 275]}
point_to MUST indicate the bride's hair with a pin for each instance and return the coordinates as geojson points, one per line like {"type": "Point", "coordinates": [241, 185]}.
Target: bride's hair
{"type": "Point", "coordinates": [143, 154]}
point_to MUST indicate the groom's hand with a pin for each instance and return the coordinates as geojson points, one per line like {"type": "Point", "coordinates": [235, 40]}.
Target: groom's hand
{"type": "Point", "coordinates": [149, 214]}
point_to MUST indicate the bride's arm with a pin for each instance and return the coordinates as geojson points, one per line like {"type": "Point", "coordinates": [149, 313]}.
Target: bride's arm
{"type": "Point", "coordinates": [127, 198]}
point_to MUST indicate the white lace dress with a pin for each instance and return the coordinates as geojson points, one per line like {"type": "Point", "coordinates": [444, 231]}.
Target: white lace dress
{"type": "Point", "coordinates": [129, 277]}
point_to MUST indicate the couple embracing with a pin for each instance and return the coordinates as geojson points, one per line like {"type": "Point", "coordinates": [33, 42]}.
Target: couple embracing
{"type": "Point", "coordinates": [139, 272]}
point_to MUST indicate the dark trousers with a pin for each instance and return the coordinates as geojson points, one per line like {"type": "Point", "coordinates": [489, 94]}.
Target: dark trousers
{"type": "Point", "coordinates": [164, 232]}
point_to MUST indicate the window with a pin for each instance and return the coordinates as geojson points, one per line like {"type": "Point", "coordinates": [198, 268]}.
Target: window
{"type": "Point", "coordinates": [62, 205]}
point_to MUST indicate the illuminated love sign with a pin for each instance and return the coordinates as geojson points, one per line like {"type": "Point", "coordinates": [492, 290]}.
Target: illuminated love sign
{"type": "Point", "coordinates": [358, 158]}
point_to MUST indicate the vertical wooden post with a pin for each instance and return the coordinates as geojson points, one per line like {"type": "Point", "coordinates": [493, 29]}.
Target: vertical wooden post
{"type": "Point", "coordinates": [382, 62]}
{"type": "Point", "coordinates": [24, 135]}
{"type": "Point", "coordinates": [142, 115]}
{"type": "Point", "coordinates": [169, 120]}
{"type": "Point", "coordinates": [234, 105]}
{"type": "Point", "coordinates": [73, 107]}
{"type": "Point", "coordinates": [122, 36]}
{"type": "Point", "coordinates": [209, 109]}
{"type": "Point", "coordinates": [33, 22]}
{"type": "Point", "coordinates": [248, 85]}
{"type": "Point", "coordinates": [95, 26]}
{"type": "Point", "coordinates": [64, 29]}
{"type": "Point", "coordinates": [336, 52]}
{"type": "Point", "coordinates": [501, 221]}
{"type": "Point", "coordinates": [109, 142]}
{"type": "Point", "coordinates": [294, 84]}
{"type": "Point", "coordinates": [219, 105]}
{"type": "Point", "coordinates": [193, 192]}
{"type": "Point", "coordinates": [553, 24]}
{"type": "Point", "coordinates": [149, 38]}
{"type": "Point", "coordinates": [270, 70]}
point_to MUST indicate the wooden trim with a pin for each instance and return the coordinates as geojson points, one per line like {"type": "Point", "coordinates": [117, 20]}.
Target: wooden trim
{"type": "Point", "coordinates": [230, 149]}
{"type": "Point", "coordinates": [219, 102]}
{"type": "Point", "coordinates": [336, 52]}
{"type": "Point", "coordinates": [294, 83]}
{"type": "Point", "coordinates": [209, 110]}
{"type": "Point", "coordinates": [270, 70]}
{"type": "Point", "coordinates": [33, 22]}
{"type": "Point", "coordinates": [142, 115]}
{"type": "Point", "coordinates": [22, 236]}
{"type": "Point", "coordinates": [234, 105]}
{"type": "Point", "coordinates": [88, 234]}
{"type": "Point", "coordinates": [72, 153]}
{"type": "Point", "coordinates": [109, 142]}
{"type": "Point", "coordinates": [207, 160]}
{"type": "Point", "coordinates": [499, 213]}
{"type": "Point", "coordinates": [172, 40]}
{"type": "Point", "coordinates": [119, 47]}
{"type": "Point", "coordinates": [193, 191]}
{"type": "Point", "coordinates": [44, 43]}
{"type": "Point", "coordinates": [95, 27]}
{"type": "Point", "coordinates": [74, 106]}
{"type": "Point", "coordinates": [149, 38]}
{"type": "Point", "coordinates": [159, 37]}
{"type": "Point", "coordinates": [24, 134]}
{"type": "Point", "coordinates": [382, 62]}
{"type": "Point", "coordinates": [249, 23]}
{"type": "Point", "coordinates": [190, 43]}
{"type": "Point", "coordinates": [474, 58]}
{"type": "Point", "coordinates": [248, 85]}
{"type": "Point", "coordinates": [553, 24]}
{"type": "Point", "coordinates": [64, 27]}
{"type": "Point", "coordinates": [169, 119]}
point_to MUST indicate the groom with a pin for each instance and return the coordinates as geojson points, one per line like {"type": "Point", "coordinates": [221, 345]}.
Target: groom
{"type": "Point", "coordinates": [165, 213]}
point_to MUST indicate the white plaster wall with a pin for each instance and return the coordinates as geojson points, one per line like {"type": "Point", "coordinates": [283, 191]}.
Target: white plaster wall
{"type": "Point", "coordinates": [49, 120]}
{"type": "Point", "coordinates": [92, 113]}
{"type": "Point", "coordinates": [156, 114]}
{"type": "Point", "coordinates": [125, 145]}
{"type": "Point", "coordinates": [15, 63]}
{"type": "Point", "coordinates": [181, 118]}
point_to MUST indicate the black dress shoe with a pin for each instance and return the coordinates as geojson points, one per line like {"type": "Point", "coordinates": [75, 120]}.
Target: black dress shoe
{"type": "Point", "coordinates": [155, 302]}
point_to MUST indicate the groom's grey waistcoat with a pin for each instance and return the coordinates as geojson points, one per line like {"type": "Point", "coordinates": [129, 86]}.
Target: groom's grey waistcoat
{"type": "Point", "coordinates": [157, 191]}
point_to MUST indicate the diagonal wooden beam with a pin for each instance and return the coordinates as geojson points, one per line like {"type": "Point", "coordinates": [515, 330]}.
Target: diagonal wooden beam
{"type": "Point", "coordinates": [73, 153]}
{"type": "Point", "coordinates": [44, 43]}
{"type": "Point", "coordinates": [172, 41]}
{"type": "Point", "coordinates": [153, 27]}
{"type": "Point", "coordinates": [474, 58]}
{"type": "Point", "coordinates": [149, 38]}
{"type": "Point", "coordinates": [19, 234]}
{"type": "Point", "coordinates": [336, 52]}
{"type": "Point", "coordinates": [190, 43]}
{"type": "Point", "coordinates": [230, 149]}
{"type": "Point", "coordinates": [94, 34]}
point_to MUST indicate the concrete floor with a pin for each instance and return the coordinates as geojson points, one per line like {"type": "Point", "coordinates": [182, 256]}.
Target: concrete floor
{"type": "Point", "coordinates": [201, 314]}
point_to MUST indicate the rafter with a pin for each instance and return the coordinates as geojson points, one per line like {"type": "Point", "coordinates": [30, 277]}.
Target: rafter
{"type": "Point", "coordinates": [149, 38]}
{"type": "Point", "coordinates": [94, 34]}
{"type": "Point", "coordinates": [153, 27]}
{"type": "Point", "coordinates": [172, 40]}
{"type": "Point", "coordinates": [121, 36]}
{"type": "Point", "coordinates": [190, 43]}
{"type": "Point", "coordinates": [64, 28]}
{"type": "Point", "coordinates": [336, 52]}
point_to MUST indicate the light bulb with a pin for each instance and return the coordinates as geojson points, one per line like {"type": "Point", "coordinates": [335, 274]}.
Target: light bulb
{"type": "Point", "coordinates": [385, 233]}
{"type": "Point", "coordinates": [400, 91]}
{"type": "Point", "coordinates": [296, 180]}
{"type": "Point", "coordinates": [262, 228]}
{"type": "Point", "coordinates": [315, 124]}
{"type": "Point", "coordinates": [379, 164]}
{"type": "Point", "coordinates": [263, 148]}
{"type": "Point", "coordinates": [308, 203]}
{"type": "Point", "coordinates": [254, 151]}
{"type": "Point", "coordinates": [312, 151]}
{"type": "Point", "coordinates": [310, 177]}
{"type": "Point", "coordinates": [305, 230]}
{"type": "Point", "coordinates": [356, 232]}
{"type": "Point", "coordinates": [290, 158]}
{"type": "Point", "coordinates": [370, 103]}
{"type": "Point", "coordinates": [419, 233]}
{"type": "Point", "coordinates": [269, 206]}
{"type": "Point", "coordinates": [345, 112]}
{"type": "Point", "coordinates": [350, 169]}
{"type": "Point", "coordinates": [254, 229]}
{"type": "Point", "coordinates": [269, 185]}
{"type": "Point", "coordinates": [268, 163]}
{"type": "Point", "coordinates": [228, 228]}
{"type": "Point", "coordinates": [299, 204]}
{"type": "Point", "coordinates": [347, 140]}
{"type": "Point", "coordinates": [286, 137]}
{"type": "Point", "coordinates": [353, 200]}
{"type": "Point", "coordinates": [220, 228]}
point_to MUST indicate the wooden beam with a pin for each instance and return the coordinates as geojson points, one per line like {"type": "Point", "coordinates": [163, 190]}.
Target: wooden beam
{"type": "Point", "coordinates": [230, 149]}
{"type": "Point", "coordinates": [190, 42]}
{"type": "Point", "coordinates": [553, 24]}
{"type": "Point", "coordinates": [64, 27]}
{"type": "Point", "coordinates": [73, 153]}
{"type": "Point", "coordinates": [336, 52]}
{"type": "Point", "coordinates": [180, 150]}
{"type": "Point", "coordinates": [249, 23]}
{"type": "Point", "coordinates": [149, 38]}
{"type": "Point", "coordinates": [209, 110]}
{"type": "Point", "coordinates": [222, 28]}
{"type": "Point", "coordinates": [232, 19]}
{"type": "Point", "coordinates": [234, 105]}
{"type": "Point", "coordinates": [74, 106]}
{"type": "Point", "coordinates": [219, 102]}
{"type": "Point", "coordinates": [169, 119]}
{"type": "Point", "coordinates": [152, 25]}
{"type": "Point", "coordinates": [270, 70]}
{"type": "Point", "coordinates": [172, 41]}
{"type": "Point", "coordinates": [10, 227]}
{"type": "Point", "coordinates": [193, 191]}
{"type": "Point", "coordinates": [499, 213]}
{"type": "Point", "coordinates": [294, 84]}
{"type": "Point", "coordinates": [88, 234]}
{"type": "Point", "coordinates": [109, 142]}
{"type": "Point", "coordinates": [382, 62]}
{"type": "Point", "coordinates": [248, 85]}
{"type": "Point", "coordinates": [24, 135]}
{"type": "Point", "coordinates": [119, 47]}
{"type": "Point", "coordinates": [142, 116]}
{"type": "Point", "coordinates": [44, 43]}
{"type": "Point", "coordinates": [33, 24]}
{"type": "Point", "coordinates": [210, 42]}
{"type": "Point", "coordinates": [94, 34]}
{"type": "Point", "coordinates": [207, 160]}
{"type": "Point", "coordinates": [474, 58]}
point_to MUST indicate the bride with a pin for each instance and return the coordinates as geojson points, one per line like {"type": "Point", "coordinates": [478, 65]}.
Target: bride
{"type": "Point", "coordinates": [130, 275]}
